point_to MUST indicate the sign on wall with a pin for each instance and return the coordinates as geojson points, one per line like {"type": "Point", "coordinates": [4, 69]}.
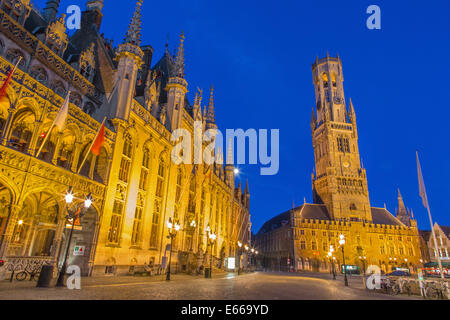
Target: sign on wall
{"type": "Point", "coordinates": [79, 250]}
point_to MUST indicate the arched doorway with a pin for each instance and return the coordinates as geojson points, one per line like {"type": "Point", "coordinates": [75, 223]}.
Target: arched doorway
{"type": "Point", "coordinates": [36, 226]}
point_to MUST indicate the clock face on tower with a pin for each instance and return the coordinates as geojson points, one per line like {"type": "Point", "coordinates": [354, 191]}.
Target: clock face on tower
{"type": "Point", "coordinates": [346, 164]}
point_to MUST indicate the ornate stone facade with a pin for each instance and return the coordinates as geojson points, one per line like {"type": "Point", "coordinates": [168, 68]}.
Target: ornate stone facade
{"type": "Point", "coordinates": [134, 184]}
{"type": "Point", "coordinates": [300, 238]}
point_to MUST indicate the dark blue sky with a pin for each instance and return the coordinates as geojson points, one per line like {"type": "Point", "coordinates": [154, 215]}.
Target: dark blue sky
{"type": "Point", "coordinates": [258, 55]}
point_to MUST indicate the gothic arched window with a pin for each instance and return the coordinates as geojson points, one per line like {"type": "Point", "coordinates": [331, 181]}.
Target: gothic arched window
{"type": "Point", "coordinates": [59, 88]}
{"type": "Point", "coordinates": [39, 74]}
{"type": "Point", "coordinates": [12, 55]}
{"type": "Point", "coordinates": [125, 163]}
{"type": "Point", "coordinates": [75, 98]}
{"type": "Point", "coordinates": [325, 80]}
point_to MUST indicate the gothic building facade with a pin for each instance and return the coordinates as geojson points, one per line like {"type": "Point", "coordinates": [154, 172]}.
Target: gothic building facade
{"type": "Point", "coordinates": [135, 186]}
{"type": "Point", "coordinates": [300, 238]}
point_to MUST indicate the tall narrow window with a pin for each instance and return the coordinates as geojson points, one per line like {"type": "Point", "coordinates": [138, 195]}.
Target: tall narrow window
{"type": "Point", "coordinates": [143, 180]}
{"type": "Point", "coordinates": [137, 226]}
{"type": "Point", "coordinates": [158, 203]}
{"type": "Point", "coordinates": [125, 163]}
{"type": "Point", "coordinates": [116, 222]}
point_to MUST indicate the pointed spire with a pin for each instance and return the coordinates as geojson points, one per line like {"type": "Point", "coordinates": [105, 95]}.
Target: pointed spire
{"type": "Point", "coordinates": [179, 60]}
{"type": "Point", "coordinates": [246, 187]}
{"type": "Point", "coordinates": [211, 114]}
{"type": "Point", "coordinates": [401, 204]}
{"type": "Point", "coordinates": [313, 119]}
{"type": "Point", "coordinates": [133, 35]}
{"type": "Point", "coordinates": [351, 111]}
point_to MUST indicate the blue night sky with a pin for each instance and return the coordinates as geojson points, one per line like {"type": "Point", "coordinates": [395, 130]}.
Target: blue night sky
{"type": "Point", "coordinates": [258, 55]}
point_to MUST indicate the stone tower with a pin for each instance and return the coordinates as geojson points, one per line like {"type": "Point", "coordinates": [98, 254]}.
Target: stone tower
{"type": "Point", "coordinates": [129, 57]}
{"type": "Point", "coordinates": [339, 180]}
{"type": "Point", "coordinates": [176, 89]}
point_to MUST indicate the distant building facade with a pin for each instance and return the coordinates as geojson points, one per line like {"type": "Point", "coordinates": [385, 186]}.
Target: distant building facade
{"type": "Point", "coordinates": [135, 185]}
{"type": "Point", "coordinates": [300, 238]}
{"type": "Point", "coordinates": [443, 241]}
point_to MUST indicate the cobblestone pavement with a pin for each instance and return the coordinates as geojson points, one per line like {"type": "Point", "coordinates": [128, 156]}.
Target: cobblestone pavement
{"type": "Point", "coordinates": [255, 286]}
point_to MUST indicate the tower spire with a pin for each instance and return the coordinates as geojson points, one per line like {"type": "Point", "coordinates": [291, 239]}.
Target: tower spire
{"type": "Point", "coordinates": [133, 35]}
{"type": "Point", "coordinates": [211, 114]}
{"type": "Point", "coordinates": [179, 60]}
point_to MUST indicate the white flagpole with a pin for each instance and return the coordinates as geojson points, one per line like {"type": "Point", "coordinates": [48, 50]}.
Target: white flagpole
{"type": "Point", "coordinates": [90, 147]}
{"type": "Point", "coordinates": [425, 198]}
{"type": "Point", "coordinates": [51, 127]}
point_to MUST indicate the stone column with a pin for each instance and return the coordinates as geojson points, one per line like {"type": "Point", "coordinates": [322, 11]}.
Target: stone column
{"type": "Point", "coordinates": [9, 232]}
{"type": "Point", "coordinates": [8, 127]}
{"type": "Point", "coordinates": [32, 147]}
{"type": "Point", "coordinates": [57, 147]}
{"type": "Point", "coordinates": [76, 155]}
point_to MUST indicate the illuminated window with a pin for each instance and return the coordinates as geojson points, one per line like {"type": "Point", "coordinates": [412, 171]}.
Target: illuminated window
{"type": "Point", "coordinates": [125, 163]}
{"type": "Point", "coordinates": [303, 244]}
{"type": "Point", "coordinates": [137, 226]}
{"type": "Point", "coordinates": [116, 222]}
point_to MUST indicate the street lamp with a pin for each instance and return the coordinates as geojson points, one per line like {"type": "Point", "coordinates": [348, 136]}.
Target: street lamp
{"type": "Point", "coordinates": [211, 237]}
{"type": "Point", "coordinates": [74, 215]}
{"type": "Point", "coordinates": [239, 258]}
{"type": "Point", "coordinates": [342, 243]}
{"type": "Point", "coordinates": [330, 255]}
{"type": "Point", "coordinates": [363, 260]}
{"type": "Point", "coordinates": [173, 229]}
{"type": "Point", "coordinates": [246, 249]}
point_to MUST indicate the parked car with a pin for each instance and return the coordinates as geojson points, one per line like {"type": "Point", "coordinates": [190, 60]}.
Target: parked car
{"type": "Point", "coordinates": [398, 273]}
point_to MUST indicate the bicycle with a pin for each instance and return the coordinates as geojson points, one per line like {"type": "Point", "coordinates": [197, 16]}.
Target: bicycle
{"type": "Point", "coordinates": [33, 270]}
{"type": "Point", "coordinates": [390, 287]}
{"type": "Point", "coordinates": [433, 291]}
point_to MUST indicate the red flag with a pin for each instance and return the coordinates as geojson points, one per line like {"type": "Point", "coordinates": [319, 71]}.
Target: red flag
{"type": "Point", "coordinates": [5, 85]}
{"type": "Point", "coordinates": [99, 140]}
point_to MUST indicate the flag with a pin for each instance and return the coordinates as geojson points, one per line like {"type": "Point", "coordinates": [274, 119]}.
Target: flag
{"type": "Point", "coordinates": [59, 122]}
{"type": "Point", "coordinates": [99, 140]}
{"type": "Point", "coordinates": [5, 85]}
{"type": "Point", "coordinates": [422, 190]}
{"type": "Point", "coordinates": [61, 117]}
{"type": "Point", "coordinates": [96, 144]}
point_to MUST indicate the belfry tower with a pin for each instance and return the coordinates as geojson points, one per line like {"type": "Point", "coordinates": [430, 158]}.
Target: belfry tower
{"type": "Point", "coordinates": [339, 180]}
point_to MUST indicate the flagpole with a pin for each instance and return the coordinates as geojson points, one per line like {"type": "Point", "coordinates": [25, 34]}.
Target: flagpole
{"type": "Point", "coordinates": [45, 139]}
{"type": "Point", "coordinates": [51, 127]}
{"type": "Point", "coordinates": [436, 248]}
{"type": "Point", "coordinates": [89, 150]}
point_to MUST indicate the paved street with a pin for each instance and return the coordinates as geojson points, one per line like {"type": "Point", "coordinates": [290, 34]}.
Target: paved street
{"type": "Point", "coordinates": [256, 286]}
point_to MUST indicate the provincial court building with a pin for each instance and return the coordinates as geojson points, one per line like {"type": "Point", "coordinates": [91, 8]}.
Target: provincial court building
{"type": "Point", "coordinates": [135, 185]}
{"type": "Point", "coordinates": [300, 238]}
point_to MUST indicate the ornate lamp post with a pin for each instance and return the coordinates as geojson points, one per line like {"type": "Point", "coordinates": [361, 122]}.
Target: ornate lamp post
{"type": "Point", "coordinates": [363, 261]}
{"type": "Point", "coordinates": [256, 258]}
{"type": "Point", "coordinates": [342, 243]}
{"type": "Point", "coordinates": [173, 229]}
{"type": "Point", "coordinates": [211, 239]}
{"type": "Point", "coordinates": [239, 258]}
{"type": "Point", "coordinates": [192, 227]}
{"type": "Point", "coordinates": [253, 257]}
{"type": "Point", "coordinates": [75, 214]}
{"type": "Point", "coordinates": [330, 255]}
{"type": "Point", "coordinates": [246, 249]}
